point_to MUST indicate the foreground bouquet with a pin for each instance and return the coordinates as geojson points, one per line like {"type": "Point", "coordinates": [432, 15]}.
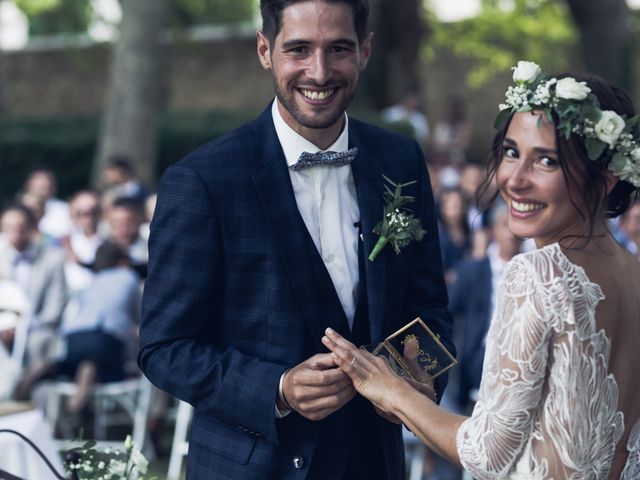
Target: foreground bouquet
{"type": "Point", "coordinates": [86, 462]}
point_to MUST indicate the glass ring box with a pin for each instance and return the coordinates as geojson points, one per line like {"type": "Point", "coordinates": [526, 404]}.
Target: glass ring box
{"type": "Point", "coordinates": [415, 350]}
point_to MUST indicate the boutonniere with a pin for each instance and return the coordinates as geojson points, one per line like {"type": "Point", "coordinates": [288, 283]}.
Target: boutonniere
{"type": "Point", "coordinates": [398, 225]}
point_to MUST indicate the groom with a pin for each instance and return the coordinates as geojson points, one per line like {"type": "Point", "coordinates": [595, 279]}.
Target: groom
{"type": "Point", "coordinates": [254, 253]}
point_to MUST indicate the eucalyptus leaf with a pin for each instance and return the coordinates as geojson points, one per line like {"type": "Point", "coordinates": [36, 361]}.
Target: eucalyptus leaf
{"type": "Point", "coordinates": [502, 119]}
{"type": "Point", "coordinates": [595, 148]}
{"type": "Point", "coordinates": [618, 161]}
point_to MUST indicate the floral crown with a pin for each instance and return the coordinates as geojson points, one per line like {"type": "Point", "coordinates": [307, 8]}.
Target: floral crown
{"type": "Point", "coordinates": [607, 135]}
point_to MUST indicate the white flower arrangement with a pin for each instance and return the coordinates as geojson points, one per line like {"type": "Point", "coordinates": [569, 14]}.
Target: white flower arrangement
{"type": "Point", "coordinates": [608, 136]}
{"type": "Point", "coordinates": [110, 464]}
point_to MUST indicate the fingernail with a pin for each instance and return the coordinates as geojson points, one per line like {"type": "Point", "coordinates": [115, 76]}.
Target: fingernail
{"type": "Point", "coordinates": [329, 331]}
{"type": "Point", "coordinates": [325, 339]}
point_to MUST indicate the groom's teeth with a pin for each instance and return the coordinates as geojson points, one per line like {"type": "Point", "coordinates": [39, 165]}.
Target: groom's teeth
{"type": "Point", "coordinates": [314, 95]}
{"type": "Point", "coordinates": [526, 207]}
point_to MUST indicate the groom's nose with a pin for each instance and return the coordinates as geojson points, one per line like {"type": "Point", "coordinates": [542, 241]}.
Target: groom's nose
{"type": "Point", "coordinates": [319, 69]}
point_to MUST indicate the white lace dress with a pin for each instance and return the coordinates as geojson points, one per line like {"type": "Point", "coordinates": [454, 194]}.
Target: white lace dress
{"type": "Point", "coordinates": [547, 406]}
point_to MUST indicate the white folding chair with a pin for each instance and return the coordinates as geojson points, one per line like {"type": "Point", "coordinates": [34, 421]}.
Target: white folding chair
{"type": "Point", "coordinates": [115, 403]}
{"type": "Point", "coordinates": [15, 312]}
{"type": "Point", "coordinates": [180, 444]}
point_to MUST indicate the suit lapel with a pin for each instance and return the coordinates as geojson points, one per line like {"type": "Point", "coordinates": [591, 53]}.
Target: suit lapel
{"type": "Point", "coordinates": [310, 280]}
{"type": "Point", "coordinates": [367, 172]}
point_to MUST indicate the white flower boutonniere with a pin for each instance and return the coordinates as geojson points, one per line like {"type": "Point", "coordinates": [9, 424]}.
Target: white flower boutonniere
{"type": "Point", "coordinates": [398, 226]}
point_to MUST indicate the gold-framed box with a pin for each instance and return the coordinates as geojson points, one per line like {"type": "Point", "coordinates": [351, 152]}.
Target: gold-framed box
{"type": "Point", "coordinates": [420, 347]}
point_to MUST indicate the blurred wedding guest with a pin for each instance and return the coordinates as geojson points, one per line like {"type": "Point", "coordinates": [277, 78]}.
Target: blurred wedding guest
{"type": "Point", "coordinates": [36, 204]}
{"type": "Point", "coordinates": [120, 181]}
{"type": "Point", "coordinates": [471, 176]}
{"type": "Point", "coordinates": [55, 221]}
{"type": "Point", "coordinates": [149, 208]}
{"type": "Point", "coordinates": [101, 330]}
{"type": "Point", "coordinates": [124, 218]}
{"type": "Point", "coordinates": [472, 299]}
{"type": "Point", "coordinates": [83, 241]}
{"type": "Point", "coordinates": [628, 229]}
{"type": "Point", "coordinates": [451, 135]}
{"type": "Point", "coordinates": [408, 110]}
{"type": "Point", "coordinates": [39, 270]}
{"type": "Point", "coordinates": [455, 236]}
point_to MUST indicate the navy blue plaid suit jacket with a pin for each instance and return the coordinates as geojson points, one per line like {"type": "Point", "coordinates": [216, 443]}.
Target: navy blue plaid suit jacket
{"type": "Point", "coordinates": [237, 293]}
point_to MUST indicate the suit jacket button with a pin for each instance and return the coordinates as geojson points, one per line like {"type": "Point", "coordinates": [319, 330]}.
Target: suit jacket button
{"type": "Point", "coordinates": [298, 461]}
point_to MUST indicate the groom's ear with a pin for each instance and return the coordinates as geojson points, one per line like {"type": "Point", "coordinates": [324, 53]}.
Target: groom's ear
{"type": "Point", "coordinates": [264, 51]}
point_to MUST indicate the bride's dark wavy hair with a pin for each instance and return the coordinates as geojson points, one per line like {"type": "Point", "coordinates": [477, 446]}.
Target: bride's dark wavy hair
{"type": "Point", "coordinates": [588, 177]}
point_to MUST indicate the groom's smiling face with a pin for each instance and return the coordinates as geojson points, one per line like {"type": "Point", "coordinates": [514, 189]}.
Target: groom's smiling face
{"type": "Point", "coordinates": [315, 60]}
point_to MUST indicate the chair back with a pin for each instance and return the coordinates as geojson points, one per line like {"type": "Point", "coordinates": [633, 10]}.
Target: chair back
{"type": "Point", "coordinates": [15, 313]}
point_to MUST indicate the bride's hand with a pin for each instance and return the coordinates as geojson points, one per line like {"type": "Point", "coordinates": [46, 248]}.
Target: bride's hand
{"type": "Point", "coordinates": [371, 376]}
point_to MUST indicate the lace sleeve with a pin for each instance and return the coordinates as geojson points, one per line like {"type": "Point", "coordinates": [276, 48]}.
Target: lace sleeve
{"type": "Point", "coordinates": [490, 442]}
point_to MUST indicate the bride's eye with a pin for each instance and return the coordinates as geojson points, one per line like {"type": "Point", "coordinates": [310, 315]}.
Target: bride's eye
{"type": "Point", "coordinates": [548, 162]}
{"type": "Point", "coordinates": [510, 152]}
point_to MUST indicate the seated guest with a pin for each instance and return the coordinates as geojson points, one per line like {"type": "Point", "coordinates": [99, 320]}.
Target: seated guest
{"type": "Point", "coordinates": [120, 180]}
{"type": "Point", "coordinates": [55, 222]}
{"type": "Point", "coordinates": [39, 270]}
{"type": "Point", "coordinates": [101, 331]}
{"type": "Point", "coordinates": [149, 208]}
{"type": "Point", "coordinates": [83, 241]}
{"type": "Point", "coordinates": [124, 218]}
{"type": "Point", "coordinates": [629, 229]}
{"type": "Point", "coordinates": [453, 230]}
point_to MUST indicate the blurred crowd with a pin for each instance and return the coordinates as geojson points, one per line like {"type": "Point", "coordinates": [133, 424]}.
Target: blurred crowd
{"type": "Point", "coordinates": [72, 271]}
{"type": "Point", "coordinates": [71, 277]}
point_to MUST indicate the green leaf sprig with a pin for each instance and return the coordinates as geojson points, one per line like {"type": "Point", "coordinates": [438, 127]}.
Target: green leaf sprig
{"type": "Point", "coordinates": [398, 226]}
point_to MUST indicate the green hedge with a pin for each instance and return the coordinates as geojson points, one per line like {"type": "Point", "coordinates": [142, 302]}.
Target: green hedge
{"type": "Point", "coordinates": [67, 146]}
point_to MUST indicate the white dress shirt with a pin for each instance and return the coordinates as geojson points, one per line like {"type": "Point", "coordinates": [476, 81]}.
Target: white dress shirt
{"type": "Point", "coordinates": [326, 199]}
{"type": "Point", "coordinates": [327, 202]}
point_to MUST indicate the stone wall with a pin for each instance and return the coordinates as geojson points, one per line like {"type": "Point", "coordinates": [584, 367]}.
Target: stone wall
{"type": "Point", "coordinates": [221, 73]}
{"type": "Point", "coordinates": [216, 74]}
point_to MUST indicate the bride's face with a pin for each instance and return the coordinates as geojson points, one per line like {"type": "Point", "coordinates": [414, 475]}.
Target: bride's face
{"type": "Point", "coordinates": [532, 183]}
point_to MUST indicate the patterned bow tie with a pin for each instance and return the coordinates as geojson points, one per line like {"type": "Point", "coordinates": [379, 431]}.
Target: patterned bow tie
{"type": "Point", "coordinates": [325, 158]}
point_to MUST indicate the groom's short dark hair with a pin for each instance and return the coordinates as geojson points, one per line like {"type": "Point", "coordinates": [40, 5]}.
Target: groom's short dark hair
{"type": "Point", "coordinates": [271, 11]}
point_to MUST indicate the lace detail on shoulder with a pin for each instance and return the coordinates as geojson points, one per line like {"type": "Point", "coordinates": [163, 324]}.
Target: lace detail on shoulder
{"type": "Point", "coordinates": [632, 468]}
{"type": "Point", "coordinates": [547, 407]}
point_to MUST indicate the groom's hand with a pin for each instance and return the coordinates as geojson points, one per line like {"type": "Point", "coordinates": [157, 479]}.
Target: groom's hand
{"type": "Point", "coordinates": [317, 387]}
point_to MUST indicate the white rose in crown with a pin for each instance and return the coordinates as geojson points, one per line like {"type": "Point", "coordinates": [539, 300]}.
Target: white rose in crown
{"type": "Point", "coordinates": [635, 155]}
{"type": "Point", "coordinates": [609, 127]}
{"type": "Point", "coordinates": [571, 89]}
{"type": "Point", "coordinates": [525, 72]}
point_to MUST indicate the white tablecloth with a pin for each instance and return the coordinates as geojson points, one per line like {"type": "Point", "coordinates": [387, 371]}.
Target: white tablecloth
{"type": "Point", "coordinates": [17, 457]}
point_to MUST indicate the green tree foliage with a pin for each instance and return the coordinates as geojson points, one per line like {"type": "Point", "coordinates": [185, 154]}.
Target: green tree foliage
{"type": "Point", "coordinates": [186, 13]}
{"type": "Point", "coordinates": [507, 31]}
{"type": "Point", "coordinates": [48, 17]}
{"type": "Point", "coordinates": [73, 16]}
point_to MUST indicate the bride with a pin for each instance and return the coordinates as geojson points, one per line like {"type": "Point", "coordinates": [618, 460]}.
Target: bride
{"type": "Point", "coordinates": [559, 394]}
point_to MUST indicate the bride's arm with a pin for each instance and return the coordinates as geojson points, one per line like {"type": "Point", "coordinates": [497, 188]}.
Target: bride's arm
{"type": "Point", "coordinates": [373, 378]}
{"type": "Point", "coordinates": [489, 442]}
